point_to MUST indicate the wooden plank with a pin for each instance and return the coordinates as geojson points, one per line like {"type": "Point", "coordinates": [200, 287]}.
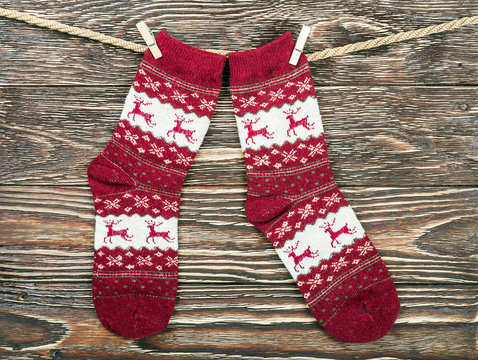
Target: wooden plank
{"type": "Point", "coordinates": [386, 136]}
{"type": "Point", "coordinates": [235, 322]}
{"type": "Point", "coordinates": [424, 235]}
{"type": "Point", "coordinates": [403, 151]}
{"type": "Point", "coordinates": [449, 58]}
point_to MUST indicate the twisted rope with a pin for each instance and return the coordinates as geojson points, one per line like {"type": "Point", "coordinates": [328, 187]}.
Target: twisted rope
{"type": "Point", "coordinates": [129, 45]}
{"type": "Point", "coordinates": [72, 30]}
{"type": "Point", "coordinates": [401, 36]}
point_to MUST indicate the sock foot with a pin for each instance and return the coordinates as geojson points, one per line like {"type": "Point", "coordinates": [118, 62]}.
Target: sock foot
{"type": "Point", "coordinates": [134, 316]}
{"type": "Point", "coordinates": [367, 316]}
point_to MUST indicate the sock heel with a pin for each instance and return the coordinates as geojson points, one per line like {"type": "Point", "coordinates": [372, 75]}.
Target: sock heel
{"type": "Point", "coordinates": [262, 209]}
{"type": "Point", "coordinates": [105, 177]}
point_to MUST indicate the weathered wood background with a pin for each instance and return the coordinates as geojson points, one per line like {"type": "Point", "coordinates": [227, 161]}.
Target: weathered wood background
{"type": "Point", "coordinates": [401, 126]}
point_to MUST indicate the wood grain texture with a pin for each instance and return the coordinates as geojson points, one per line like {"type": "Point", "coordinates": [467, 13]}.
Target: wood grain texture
{"type": "Point", "coordinates": [448, 58]}
{"type": "Point", "coordinates": [236, 322]}
{"type": "Point", "coordinates": [424, 235]}
{"type": "Point", "coordinates": [376, 135]}
{"type": "Point", "coordinates": [401, 128]}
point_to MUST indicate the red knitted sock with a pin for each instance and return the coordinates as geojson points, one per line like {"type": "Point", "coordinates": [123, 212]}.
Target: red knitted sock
{"type": "Point", "coordinates": [136, 183]}
{"type": "Point", "coordinates": [294, 200]}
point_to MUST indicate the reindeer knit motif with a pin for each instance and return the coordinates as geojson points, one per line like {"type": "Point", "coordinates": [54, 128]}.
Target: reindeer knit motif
{"type": "Point", "coordinates": [136, 184]}
{"type": "Point", "coordinates": [294, 201]}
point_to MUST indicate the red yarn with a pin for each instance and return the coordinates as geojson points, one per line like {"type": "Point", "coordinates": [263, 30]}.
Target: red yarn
{"type": "Point", "coordinates": [136, 182]}
{"type": "Point", "coordinates": [294, 200]}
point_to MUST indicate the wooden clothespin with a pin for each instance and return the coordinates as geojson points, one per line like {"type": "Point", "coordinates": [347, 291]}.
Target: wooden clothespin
{"type": "Point", "coordinates": [148, 37]}
{"type": "Point", "coordinates": [299, 45]}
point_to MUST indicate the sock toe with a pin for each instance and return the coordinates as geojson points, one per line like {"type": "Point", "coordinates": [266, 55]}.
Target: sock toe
{"type": "Point", "coordinates": [134, 316]}
{"type": "Point", "coordinates": [367, 316]}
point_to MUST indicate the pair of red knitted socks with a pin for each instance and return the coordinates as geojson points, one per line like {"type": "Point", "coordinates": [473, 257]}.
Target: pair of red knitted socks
{"type": "Point", "coordinates": [292, 197]}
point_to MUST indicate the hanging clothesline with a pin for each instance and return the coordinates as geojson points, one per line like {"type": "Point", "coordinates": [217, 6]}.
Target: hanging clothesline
{"type": "Point", "coordinates": [129, 45]}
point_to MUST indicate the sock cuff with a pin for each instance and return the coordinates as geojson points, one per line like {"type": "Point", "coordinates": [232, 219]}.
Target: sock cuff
{"type": "Point", "coordinates": [186, 62]}
{"type": "Point", "coordinates": [263, 63]}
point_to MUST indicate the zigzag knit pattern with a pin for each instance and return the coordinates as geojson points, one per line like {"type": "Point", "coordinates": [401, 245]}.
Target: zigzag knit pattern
{"type": "Point", "coordinates": [294, 200]}
{"type": "Point", "coordinates": [136, 183]}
